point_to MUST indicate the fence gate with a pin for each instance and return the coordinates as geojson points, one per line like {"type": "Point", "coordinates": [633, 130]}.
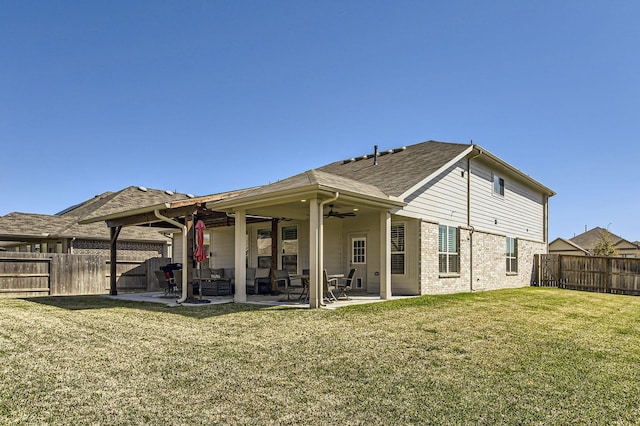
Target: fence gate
{"type": "Point", "coordinates": [547, 270]}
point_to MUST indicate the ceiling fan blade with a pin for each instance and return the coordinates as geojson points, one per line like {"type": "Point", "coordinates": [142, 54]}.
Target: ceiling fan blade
{"type": "Point", "coordinates": [339, 215]}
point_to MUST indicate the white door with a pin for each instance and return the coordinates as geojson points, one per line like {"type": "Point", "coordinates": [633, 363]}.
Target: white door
{"type": "Point", "coordinates": [359, 261]}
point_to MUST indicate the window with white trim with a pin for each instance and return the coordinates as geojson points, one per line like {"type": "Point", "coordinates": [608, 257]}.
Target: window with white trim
{"type": "Point", "coordinates": [264, 248]}
{"type": "Point", "coordinates": [290, 248]}
{"type": "Point", "coordinates": [448, 250]}
{"type": "Point", "coordinates": [498, 185]}
{"type": "Point", "coordinates": [512, 255]}
{"type": "Point", "coordinates": [397, 249]}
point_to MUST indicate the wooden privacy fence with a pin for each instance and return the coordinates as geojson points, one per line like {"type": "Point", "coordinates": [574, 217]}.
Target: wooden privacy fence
{"type": "Point", "coordinates": [36, 274]}
{"type": "Point", "coordinates": [620, 275]}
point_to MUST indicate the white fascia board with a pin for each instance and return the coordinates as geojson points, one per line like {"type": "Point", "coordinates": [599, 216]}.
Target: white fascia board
{"type": "Point", "coordinates": [515, 171]}
{"type": "Point", "coordinates": [444, 167]}
{"type": "Point", "coordinates": [286, 196]}
{"type": "Point", "coordinates": [264, 199]}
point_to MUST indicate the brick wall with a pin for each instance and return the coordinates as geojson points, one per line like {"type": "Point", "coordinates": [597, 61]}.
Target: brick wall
{"type": "Point", "coordinates": [489, 262]}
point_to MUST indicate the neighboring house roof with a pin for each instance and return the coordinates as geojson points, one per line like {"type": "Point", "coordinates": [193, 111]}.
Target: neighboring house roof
{"type": "Point", "coordinates": [557, 245]}
{"type": "Point", "coordinates": [590, 238]}
{"type": "Point", "coordinates": [29, 226]}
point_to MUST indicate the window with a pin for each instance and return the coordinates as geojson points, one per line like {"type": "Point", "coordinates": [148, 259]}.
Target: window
{"type": "Point", "coordinates": [290, 249]}
{"type": "Point", "coordinates": [359, 250]}
{"type": "Point", "coordinates": [498, 185]}
{"type": "Point", "coordinates": [512, 255]}
{"type": "Point", "coordinates": [397, 249]}
{"type": "Point", "coordinates": [448, 255]}
{"type": "Point", "coordinates": [264, 248]}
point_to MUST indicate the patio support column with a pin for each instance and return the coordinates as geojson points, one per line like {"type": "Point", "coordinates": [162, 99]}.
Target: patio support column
{"type": "Point", "coordinates": [274, 254]}
{"type": "Point", "coordinates": [187, 278]}
{"type": "Point", "coordinates": [385, 255]}
{"type": "Point", "coordinates": [240, 256]}
{"type": "Point", "coordinates": [113, 277]}
{"type": "Point", "coordinates": [315, 254]}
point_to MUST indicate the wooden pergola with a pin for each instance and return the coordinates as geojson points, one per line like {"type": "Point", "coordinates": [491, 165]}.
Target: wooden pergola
{"type": "Point", "coordinates": [178, 215]}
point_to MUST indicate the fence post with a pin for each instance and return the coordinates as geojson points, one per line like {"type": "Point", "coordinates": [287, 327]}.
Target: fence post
{"type": "Point", "coordinates": [607, 281]}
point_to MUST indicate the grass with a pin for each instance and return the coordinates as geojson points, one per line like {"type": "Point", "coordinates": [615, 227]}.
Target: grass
{"type": "Point", "coordinates": [526, 356]}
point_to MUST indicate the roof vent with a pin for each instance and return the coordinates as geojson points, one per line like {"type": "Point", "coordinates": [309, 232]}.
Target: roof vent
{"type": "Point", "coordinates": [169, 192]}
{"type": "Point", "coordinates": [142, 188]}
{"type": "Point", "coordinates": [191, 196]}
{"type": "Point", "coordinates": [375, 155]}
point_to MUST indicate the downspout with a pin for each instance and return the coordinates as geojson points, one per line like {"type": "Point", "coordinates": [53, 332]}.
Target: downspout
{"type": "Point", "coordinates": [469, 218]}
{"type": "Point", "coordinates": [319, 274]}
{"type": "Point", "coordinates": [185, 259]}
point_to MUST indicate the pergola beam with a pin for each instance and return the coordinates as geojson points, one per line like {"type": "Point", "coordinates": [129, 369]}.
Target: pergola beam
{"type": "Point", "coordinates": [113, 278]}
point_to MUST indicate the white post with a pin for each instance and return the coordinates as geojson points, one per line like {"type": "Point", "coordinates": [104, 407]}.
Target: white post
{"type": "Point", "coordinates": [385, 255]}
{"type": "Point", "coordinates": [315, 296]}
{"type": "Point", "coordinates": [240, 256]}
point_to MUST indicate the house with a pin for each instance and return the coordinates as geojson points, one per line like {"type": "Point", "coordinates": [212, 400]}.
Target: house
{"type": "Point", "coordinates": [428, 218]}
{"type": "Point", "coordinates": [61, 233]}
{"type": "Point", "coordinates": [584, 244]}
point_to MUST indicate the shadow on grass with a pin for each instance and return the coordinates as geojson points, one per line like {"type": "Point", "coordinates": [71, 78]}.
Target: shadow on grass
{"type": "Point", "coordinates": [76, 303]}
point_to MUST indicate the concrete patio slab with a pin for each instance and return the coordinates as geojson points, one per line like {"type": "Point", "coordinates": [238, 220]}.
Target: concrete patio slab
{"type": "Point", "coordinates": [265, 300]}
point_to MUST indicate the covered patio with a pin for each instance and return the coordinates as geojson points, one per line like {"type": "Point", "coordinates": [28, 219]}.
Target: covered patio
{"type": "Point", "coordinates": [344, 224]}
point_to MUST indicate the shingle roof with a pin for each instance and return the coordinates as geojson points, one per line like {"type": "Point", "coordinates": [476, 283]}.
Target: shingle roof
{"type": "Point", "coordinates": [65, 224]}
{"type": "Point", "coordinates": [400, 170]}
{"type": "Point", "coordinates": [590, 238]}
{"type": "Point", "coordinates": [396, 171]}
{"type": "Point", "coordinates": [314, 178]}
{"type": "Point", "coordinates": [127, 199]}
{"type": "Point", "coordinates": [32, 224]}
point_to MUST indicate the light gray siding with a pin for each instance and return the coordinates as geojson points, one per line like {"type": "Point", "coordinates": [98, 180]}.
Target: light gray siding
{"type": "Point", "coordinates": [443, 199]}
{"type": "Point", "coordinates": [222, 247]}
{"type": "Point", "coordinates": [176, 255]}
{"type": "Point", "coordinates": [519, 213]}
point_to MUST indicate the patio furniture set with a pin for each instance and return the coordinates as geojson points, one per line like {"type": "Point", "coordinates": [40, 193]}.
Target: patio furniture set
{"type": "Point", "coordinates": [221, 282]}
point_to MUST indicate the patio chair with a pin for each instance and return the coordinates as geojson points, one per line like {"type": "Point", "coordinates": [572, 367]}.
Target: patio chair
{"type": "Point", "coordinates": [328, 285]}
{"type": "Point", "coordinates": [344, 284]}
{"type": "Point", "coordinates": [167, 284]}
{"type": "Point", "coordinates": [177, 282]}
{"type": "Point", "coordinates": [282, 279]}
{"type": "Point", "coordinates": [258, 280]}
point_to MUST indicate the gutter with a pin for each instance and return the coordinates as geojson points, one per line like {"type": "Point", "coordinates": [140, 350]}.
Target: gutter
{"type": "Point", "coordinates": [185, 259]}
{"type": "Point", "coordinates": [480, 152]}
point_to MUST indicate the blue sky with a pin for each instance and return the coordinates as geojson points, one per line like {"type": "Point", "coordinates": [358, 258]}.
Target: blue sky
{"type": "Point", "coordinates": [208, 96]}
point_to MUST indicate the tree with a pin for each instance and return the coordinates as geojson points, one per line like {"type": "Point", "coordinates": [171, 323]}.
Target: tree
{"type": "Point", "coordinates": [605, 247]}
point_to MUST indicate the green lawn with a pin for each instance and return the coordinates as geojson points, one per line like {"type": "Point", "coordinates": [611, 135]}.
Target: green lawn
{"type": "Point", "coordinates": [526, 356]}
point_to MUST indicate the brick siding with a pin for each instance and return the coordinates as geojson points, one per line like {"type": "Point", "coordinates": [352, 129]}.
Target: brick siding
{"type": "Point", "coordinates": [489, 262]}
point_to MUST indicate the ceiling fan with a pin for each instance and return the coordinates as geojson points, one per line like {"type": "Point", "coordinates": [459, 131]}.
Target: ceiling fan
{"type": "Point", "coordinates": [338, 214]}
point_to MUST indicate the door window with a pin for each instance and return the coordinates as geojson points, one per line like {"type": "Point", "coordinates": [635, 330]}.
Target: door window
{"type": "Point", "coordinates": [359, 251]}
